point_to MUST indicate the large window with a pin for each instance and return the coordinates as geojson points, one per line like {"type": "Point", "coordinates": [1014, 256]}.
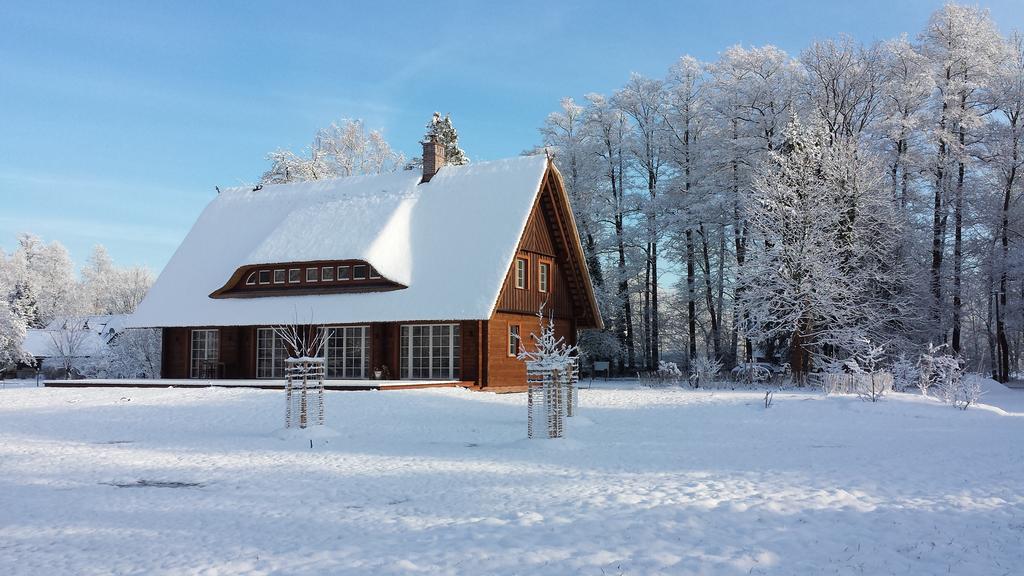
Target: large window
{"type": "Point", "coordinates": [348, 352]}
{"type": "Point", "coordinates": [430, 352]}
{"type": "Point", "coordinates": [205, 353]}
{"type": "Point", "coordinates": [270, 354]}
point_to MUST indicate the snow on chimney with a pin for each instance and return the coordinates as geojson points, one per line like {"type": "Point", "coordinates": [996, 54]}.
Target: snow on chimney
{"type": "Point", "coordinates": [433, 156]}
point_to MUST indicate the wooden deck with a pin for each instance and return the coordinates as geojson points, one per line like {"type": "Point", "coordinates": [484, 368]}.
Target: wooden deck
{"type": "Point", "coordinates": [351, 385]}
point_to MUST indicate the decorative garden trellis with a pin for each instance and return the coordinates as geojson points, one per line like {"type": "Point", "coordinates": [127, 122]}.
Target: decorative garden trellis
{"type": "Point", "coordinates": [305, 369]}
{"type": "Point", "coordinates": [547, 399]}
{"type": "Point", "coordinates": [305, 386]}
{"type": "Point", "coordinates": [552, 374]}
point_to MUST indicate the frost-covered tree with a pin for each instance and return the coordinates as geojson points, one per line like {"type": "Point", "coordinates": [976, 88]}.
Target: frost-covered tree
{"type": "Point", "coordinates": [109, 289]}
{"type": "Point", "coordinates": [45, 280]}
{"type": "Point", "coordinates": [442, 127]}
{"type": "Point", "coordinates": [808, 279]}
{"type": "Point", "coordinates": [345, 148]}
{"type": "Point", "coordinates": [135, 353]}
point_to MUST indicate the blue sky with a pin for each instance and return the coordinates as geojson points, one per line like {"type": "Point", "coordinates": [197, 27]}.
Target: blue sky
{"type": "Point", "coordinates": [118, 119]}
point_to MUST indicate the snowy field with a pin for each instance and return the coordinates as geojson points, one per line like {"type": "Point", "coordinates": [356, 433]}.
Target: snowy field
{"type": "Point", "coordinates": [649, 481]}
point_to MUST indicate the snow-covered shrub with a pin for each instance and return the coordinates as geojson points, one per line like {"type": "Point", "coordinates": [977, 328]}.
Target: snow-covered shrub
{"type": "Point", "coordinates": [962, 392]}
{"type": "Point", "coordinates": [135, 353]}
{"type": "Point", "coordinates": [703, 371]}
{"type": "Point", "coordinates": [669, 372]}
{"type": "Point", "coordinates": [905, 374]}
{"type": "Point", "coordinates": [936, 369]}
{"type": "Point", "coordinates": [870, 383]}
{"type": "Point", "coordinates": [751, 373]}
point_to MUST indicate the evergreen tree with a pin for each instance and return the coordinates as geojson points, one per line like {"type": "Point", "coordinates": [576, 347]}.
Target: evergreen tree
{"type": "Point", "coordinates": [444, 130]}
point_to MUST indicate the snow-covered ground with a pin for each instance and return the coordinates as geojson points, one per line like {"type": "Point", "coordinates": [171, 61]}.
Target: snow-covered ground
{"type": "Point", "coordinates": [442, 481]}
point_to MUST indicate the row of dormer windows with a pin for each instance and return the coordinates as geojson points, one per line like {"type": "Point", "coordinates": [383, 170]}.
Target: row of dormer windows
{"type": "Point", "coordinates": [311, 274]}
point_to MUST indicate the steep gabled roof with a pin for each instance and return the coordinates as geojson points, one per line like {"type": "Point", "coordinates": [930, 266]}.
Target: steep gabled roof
{"type": "Point", "coordinates": [450, 241]}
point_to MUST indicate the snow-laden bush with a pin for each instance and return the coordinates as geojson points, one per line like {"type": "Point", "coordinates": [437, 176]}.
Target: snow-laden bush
{"type": "Point", "coordinates": [669, 372]}
{"type": "Point", "coordinates": [905, 374]}
{"type": "Point", "coordinates": [870, 382]}
{"type": "Point", "coordinates": [703, 371]}
{"type": "Point", "coordinates": [962, 392]}
{"type": "Point", "coordinates": [939, 370]}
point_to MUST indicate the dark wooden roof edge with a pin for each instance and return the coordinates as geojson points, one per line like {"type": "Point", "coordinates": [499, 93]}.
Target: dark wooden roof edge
{"type": "Point", "coordinates": [577, 245]}
{"type": "Point", "coordinates": [228, 290]}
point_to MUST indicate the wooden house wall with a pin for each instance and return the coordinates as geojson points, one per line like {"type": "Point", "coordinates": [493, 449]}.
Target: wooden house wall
{"type": "Point", "coordinates": [508, 371]}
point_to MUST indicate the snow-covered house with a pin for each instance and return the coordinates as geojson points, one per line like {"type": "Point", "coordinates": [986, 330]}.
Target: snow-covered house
{"type": "Point", "coordinates": [83, 339]}
{"type": "Point", "coordinates": [417, 276]}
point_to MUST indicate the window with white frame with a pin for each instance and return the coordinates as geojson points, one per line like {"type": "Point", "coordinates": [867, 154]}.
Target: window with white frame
{"type": "Point", "coordinates": [270, 354]}
{"type": "Point", "coordinates": [359, 272]}
{"type": "Point", "coordinates": [294, 275]}
{"type": "Point", "coordinates": [278, 276]}
{"type": "Point", "coordinates": [521, 268]}
{"type": "Point", "coordinates": [312, 274]}
{"type": "Point", "coordinates": [513, 339]}
{"type": "Point", "coordinates": [251, 279]}
{"type": "Point", "coordinates": [347, 352]}
{"type": "Point", "coordinates": [327, 273]}
{"type": "Point", "coordinates": [264, 276]}
{"type": "Point", "coordinates": [343, 273]}
{"type": "Point", "coordinates": [205, 353]}
{"type": "Point", "coordinates": [543, 275]}
{"type": "Point", "coordinates": [430, 352]}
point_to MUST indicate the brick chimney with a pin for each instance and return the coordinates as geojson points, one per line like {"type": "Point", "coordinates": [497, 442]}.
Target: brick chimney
{"type": "Point", "coordinates": [433, 157]}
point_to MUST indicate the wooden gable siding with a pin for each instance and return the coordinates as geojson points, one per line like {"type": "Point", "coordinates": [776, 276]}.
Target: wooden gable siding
{"type": "Point", "coordinates": [537, 246]}
{"type": "Point", "coordinates": [537, 236]}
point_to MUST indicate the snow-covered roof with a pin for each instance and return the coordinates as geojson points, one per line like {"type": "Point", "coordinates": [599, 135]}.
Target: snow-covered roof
{"type": "Point", "coordinates": [450, 241]}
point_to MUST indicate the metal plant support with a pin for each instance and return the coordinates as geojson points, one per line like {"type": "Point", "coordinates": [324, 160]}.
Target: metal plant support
{"type": "Point", "coordinates": [305, 386]}
{"type": "Point", "coordinates": [549, 399]}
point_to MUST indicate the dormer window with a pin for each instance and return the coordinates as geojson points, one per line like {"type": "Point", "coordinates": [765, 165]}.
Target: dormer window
{"type": "Point", "coordinates": [301, 278]}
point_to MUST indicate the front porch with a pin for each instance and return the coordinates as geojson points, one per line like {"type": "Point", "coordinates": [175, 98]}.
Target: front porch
{"type": "Point", "coordinates": [265, 384]}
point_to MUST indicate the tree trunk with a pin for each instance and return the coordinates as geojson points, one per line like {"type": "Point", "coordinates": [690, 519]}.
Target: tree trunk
{"type": "Point", "coordinates": [691, 304]}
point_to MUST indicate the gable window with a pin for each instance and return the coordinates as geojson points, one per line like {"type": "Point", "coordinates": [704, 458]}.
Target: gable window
{"type": "Point", "coordinates": [270, 354]}
{"type": "Point", "coordinates": [521, 268]}
{"type": "Point", "coordinates": [294, 275]}
{"type": "Point", "coordinates": [343, 273]}
{"type": "Point", "coordinates": [359, 272]}
{"type": "Point", "coordinates": [430, 352]}
{"type": "Point", "coordinates": [205, 353]}
{"type": "Point", "coordinates": [348, 352]}
{"type": "Point", "coordinates": [327, 273]}
{"type": "Point", "coordinates": [264, 276]}
{"type": "Point", "coordinates": [312, 274]}
{"type": "Point", "coordinates": [278, 276]}
{"type": "Point", "coordinates": [251, 279]}
{"type": "Point", "coordinates": [543, 274]}
{"type": "Point", "coordinates": [513, 339]}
